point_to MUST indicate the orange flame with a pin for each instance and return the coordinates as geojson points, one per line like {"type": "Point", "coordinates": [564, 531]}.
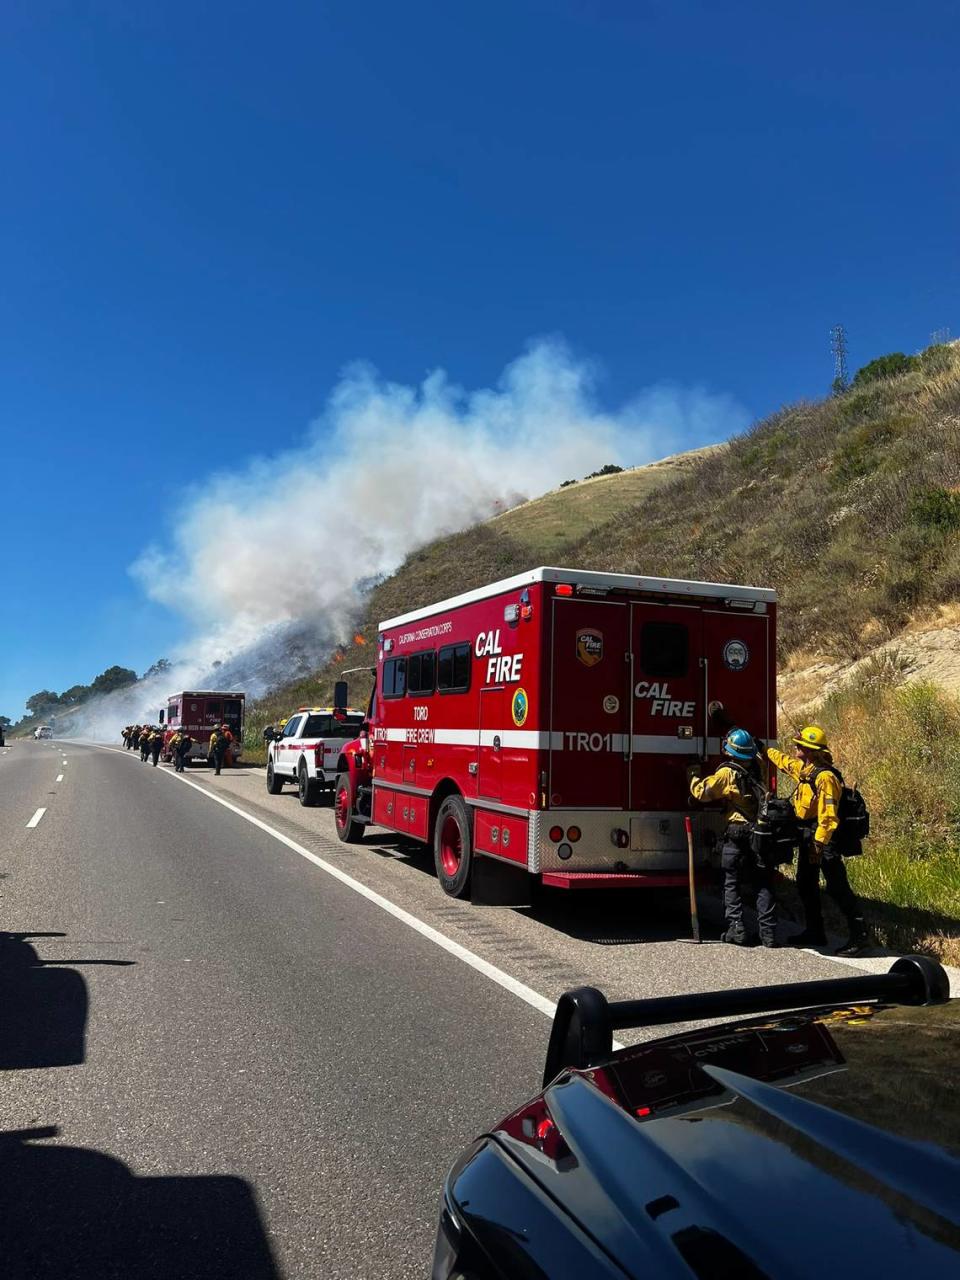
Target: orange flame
{"type": "Point", "coordinates": [358, 639]}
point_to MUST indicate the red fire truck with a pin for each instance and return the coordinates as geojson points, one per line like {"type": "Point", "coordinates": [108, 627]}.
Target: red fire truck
{"type": "Point", "coordinates": [547, 723]}
{"type": "Point", "coordinates": [200, 711]}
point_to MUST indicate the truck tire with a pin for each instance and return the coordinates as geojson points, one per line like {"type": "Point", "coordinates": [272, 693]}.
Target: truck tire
{"type": "Point", "coordinates": [274, 781]}
{"type": "Point", "coordinates": [349, 830]}
{"type": "Point", "coordinates": [453, 847]}
{"type": "Point", "coordinates": [308, 789]}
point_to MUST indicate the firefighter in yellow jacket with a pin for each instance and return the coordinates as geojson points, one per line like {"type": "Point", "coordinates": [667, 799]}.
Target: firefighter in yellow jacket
{"type": "Point", "coordinates": [737, 785]}
{"type": "Point", "coordinates": [816, 803]}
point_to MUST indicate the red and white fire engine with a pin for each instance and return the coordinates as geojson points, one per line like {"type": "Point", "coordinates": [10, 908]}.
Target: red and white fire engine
{"type": "Point", "coordinates": [200, 711]}
{"type": "Point", "coordinates": [547, 724]}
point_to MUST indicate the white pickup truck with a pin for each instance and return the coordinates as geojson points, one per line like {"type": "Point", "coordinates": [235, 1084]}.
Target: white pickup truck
{"type": "Point", "coordinates": [308, 749]}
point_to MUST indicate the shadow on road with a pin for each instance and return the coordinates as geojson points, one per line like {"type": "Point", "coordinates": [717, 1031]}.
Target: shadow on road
{"type": "Point", "coordinates": [43, 1006]}
{"type": "Point", "coordinates": [75, 1214]}
{"type": "Point", "coordinates": [608, 917]}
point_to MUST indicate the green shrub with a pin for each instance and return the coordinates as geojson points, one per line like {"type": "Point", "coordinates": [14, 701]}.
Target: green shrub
{"type": "Point", "coordinates": [889, 366]}
{"type": "Point", "coordinates": [861, 450]}
{"type": "Point", "coordinates": [937, 510]}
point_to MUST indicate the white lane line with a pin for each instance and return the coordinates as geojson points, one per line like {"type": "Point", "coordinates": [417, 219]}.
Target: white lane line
{"type": "Point", "coordinates": [36, 818]}
{"type": "Point", "coordinates": [513, 985]}
{"type": "Point", "coordinates": [59, 777]}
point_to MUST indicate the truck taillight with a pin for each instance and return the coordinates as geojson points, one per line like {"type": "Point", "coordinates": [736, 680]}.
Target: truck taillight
{"type": "Point", "coordinates": [773, 781]}
{"type": "Point", "coordinates": [318, 755]}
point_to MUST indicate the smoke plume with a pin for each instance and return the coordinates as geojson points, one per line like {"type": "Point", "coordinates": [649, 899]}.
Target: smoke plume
{"type": "Point", "coordinates": [273, 560]}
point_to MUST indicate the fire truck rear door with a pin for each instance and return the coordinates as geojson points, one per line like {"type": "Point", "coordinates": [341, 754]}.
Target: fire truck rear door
{"type": "Point", "coordinates": [668, 703]}
{"type": "Point", "coordinates": [494, 714]}
{"type": "Point", "coordinates": [589, 704]}
{"type": "Point", "coordinates": [739, 663]}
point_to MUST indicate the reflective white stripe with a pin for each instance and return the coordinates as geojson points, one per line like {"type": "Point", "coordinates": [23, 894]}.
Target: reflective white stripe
{"type": "Point", "coordinates": [644, 744]}
{"type": "Point", "coordinates": [515, 738]}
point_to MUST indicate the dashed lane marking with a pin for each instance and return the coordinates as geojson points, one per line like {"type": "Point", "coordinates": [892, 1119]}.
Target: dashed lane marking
{"type": "Point", "coordinates": [36, 818]}
{"type": "Point", "coordinates": [59, 777]}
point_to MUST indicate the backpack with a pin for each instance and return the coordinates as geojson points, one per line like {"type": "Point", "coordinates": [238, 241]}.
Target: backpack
{"type": "Point", "coordinates": [853, 816]}
{"type": "Point", "coordinates": [774, 833]}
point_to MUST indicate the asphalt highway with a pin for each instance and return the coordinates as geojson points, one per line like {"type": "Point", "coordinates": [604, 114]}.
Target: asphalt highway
{"type": "Point", "coordinates": [240, 1048]}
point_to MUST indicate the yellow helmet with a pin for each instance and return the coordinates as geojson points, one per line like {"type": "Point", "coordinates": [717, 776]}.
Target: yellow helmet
{"type": "Point", "coordinates": [813, 738]}
{"type": "Point", "coordinates": [284, 721]}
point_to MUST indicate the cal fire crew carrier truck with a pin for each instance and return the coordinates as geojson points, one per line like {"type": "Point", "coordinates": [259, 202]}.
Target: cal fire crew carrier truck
{"type": "Point", "coordinates": [546, 724]}
{"type": "Point", "coordinates": [200, 711]}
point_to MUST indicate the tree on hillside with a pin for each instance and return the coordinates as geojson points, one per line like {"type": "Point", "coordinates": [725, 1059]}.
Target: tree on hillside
{"type": "Point", "coordinates": [73, 696]}
{"type": "Point", "coordinates": [113, 678]}
{"type": "Point", "coordinates": [5, 722]}
{"type": "Point", "coordinates": [38, 704]}
{"type": "Point", "coordinates": [159, 667]}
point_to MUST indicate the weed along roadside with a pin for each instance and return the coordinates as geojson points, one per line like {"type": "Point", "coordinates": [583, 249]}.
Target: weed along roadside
{"type": "Point", "coordinates": [902, 746]}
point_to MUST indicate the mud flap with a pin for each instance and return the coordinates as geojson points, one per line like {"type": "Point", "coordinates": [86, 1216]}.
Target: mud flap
{"type": "Point", "coordinates": [496, 884]}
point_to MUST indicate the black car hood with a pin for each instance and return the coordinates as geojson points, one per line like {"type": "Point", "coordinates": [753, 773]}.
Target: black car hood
{"type": "Point", "coordinates": [841, 1162]}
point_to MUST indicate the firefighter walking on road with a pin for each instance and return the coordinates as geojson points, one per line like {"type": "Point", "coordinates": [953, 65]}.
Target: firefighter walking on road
{"type": "Point", "coordinates": [738, 784]}
{"type": "Point", "coordinates": [220, 743]}
{"type": "Point", "coordinates": [816, 803]}
{"type": "Point", "coordinates": [144, 744]}
{"type": "Point", "coordinates": [181, 743]}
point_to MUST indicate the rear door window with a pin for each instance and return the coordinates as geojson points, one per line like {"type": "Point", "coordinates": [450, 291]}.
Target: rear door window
{"type": "Point", "coordinates": [664, 650]}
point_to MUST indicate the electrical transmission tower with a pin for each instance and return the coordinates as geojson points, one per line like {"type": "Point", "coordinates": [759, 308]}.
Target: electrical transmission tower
{"type": "Point", "coordinates": [838, 345]}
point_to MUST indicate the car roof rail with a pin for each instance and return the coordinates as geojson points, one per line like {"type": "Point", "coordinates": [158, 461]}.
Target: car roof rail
{"type": "Point", "coordinates": [584, 1022]}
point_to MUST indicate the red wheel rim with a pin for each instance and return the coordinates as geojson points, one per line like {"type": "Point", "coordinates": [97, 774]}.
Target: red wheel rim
{"type": "Point", "coordinates": [451, 846]}
{"type": "Point", "coordinates": [343, 807]}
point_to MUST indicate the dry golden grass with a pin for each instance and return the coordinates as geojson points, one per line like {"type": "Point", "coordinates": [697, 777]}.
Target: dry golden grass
{"type": "Point", "coordinates": [546, 526]}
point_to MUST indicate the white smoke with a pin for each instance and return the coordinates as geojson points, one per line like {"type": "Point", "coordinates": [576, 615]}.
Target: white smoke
{"type": "Point", "coordinates": [279, 554]}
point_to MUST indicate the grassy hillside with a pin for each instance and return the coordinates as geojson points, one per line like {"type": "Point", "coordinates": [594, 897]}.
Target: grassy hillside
{"type": "Point", "coordinates": [848, 507]}
{"type": "Point", "coordinates": [547, 526]}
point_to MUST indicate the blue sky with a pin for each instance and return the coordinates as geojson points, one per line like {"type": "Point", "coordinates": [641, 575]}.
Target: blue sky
{"type": "Point", "coordinates": [209, 209]}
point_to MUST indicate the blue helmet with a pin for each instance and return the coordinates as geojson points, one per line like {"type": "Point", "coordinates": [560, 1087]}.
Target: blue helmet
{"type": "Point", "coordinates": [739, 744]}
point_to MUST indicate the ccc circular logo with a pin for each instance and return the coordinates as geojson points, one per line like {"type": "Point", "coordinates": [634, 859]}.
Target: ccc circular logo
{"type": "Point", "coordinates": [519, 707]}
{"type": "Point", "coordinates": [736, 655]}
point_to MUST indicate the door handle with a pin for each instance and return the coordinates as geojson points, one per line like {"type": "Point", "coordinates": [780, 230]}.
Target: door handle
{"type": "Point", "coordinates": [496, 742]}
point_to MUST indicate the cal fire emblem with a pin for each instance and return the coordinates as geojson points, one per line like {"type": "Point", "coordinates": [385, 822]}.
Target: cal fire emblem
{"type": "Point", "coordinates": [589, 646]}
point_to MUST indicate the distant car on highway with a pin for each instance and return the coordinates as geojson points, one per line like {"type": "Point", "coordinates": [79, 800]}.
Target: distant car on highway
{"type": "Point", "coordinates": [813, 1142]}
{"type": "Point", "coordinates": [43, 731]}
